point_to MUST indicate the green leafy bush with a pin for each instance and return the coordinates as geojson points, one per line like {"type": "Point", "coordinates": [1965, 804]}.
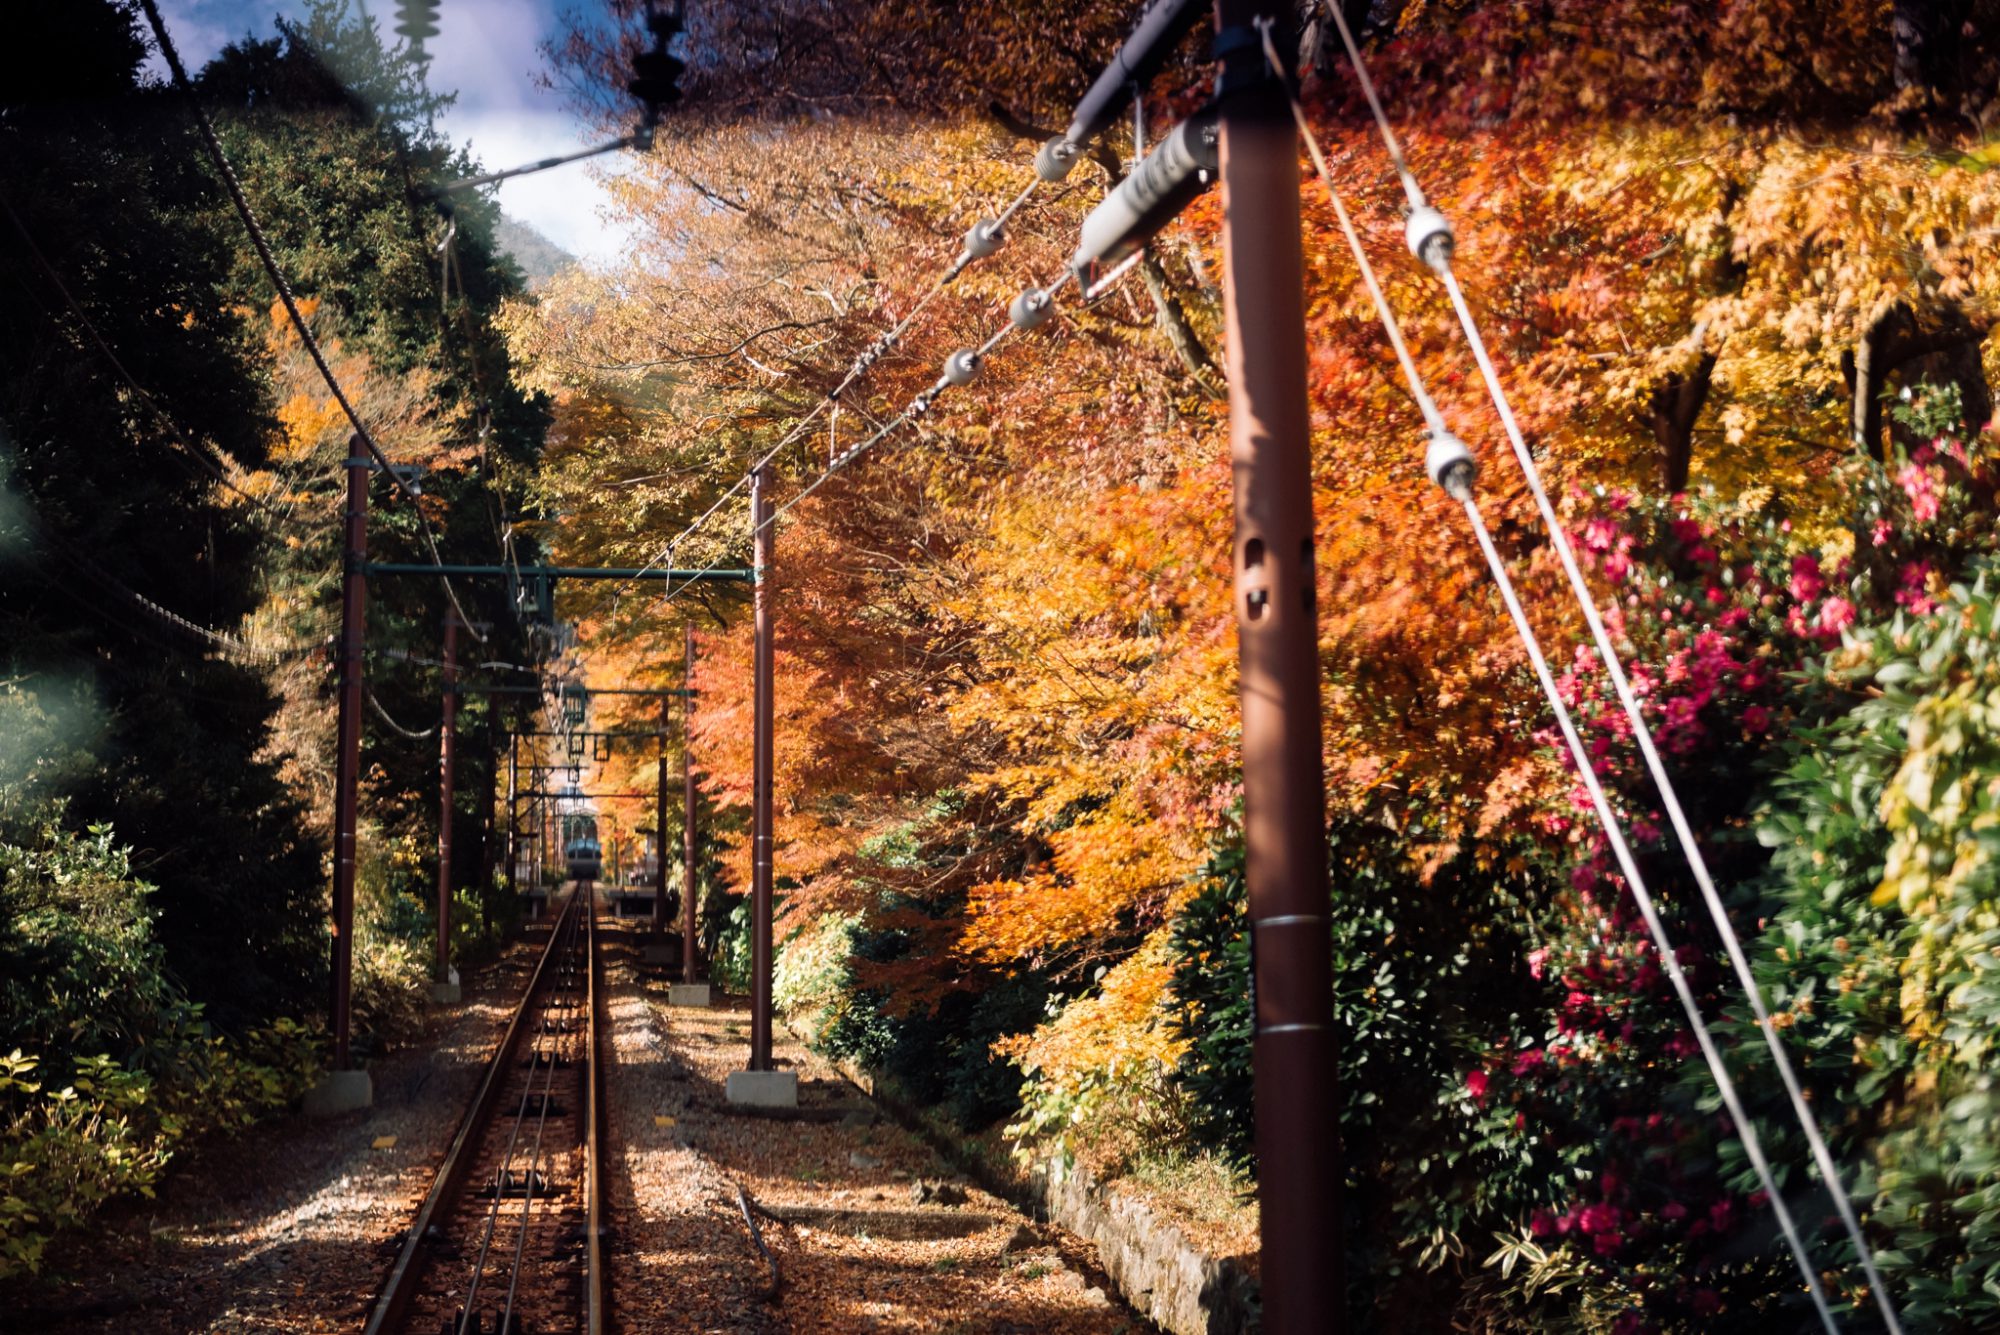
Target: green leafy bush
{"type": "Point", "coordinates": [1415, 991]}
{"type": "Point", "coordinates": [729, 959]}
{"type": "Point", "coordinates": [812, 979]}
{"type": "Point", "coordinates": [111, 1067]}
{"type": "Point", "coordinates": [1882, 954]}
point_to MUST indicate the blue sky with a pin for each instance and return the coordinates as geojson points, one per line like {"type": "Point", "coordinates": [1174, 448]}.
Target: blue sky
{"type": "Point", "coordinates": [488, 52]}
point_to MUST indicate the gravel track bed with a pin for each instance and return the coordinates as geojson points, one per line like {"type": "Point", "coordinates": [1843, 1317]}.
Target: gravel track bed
{"type": "Point", "coordinates": [291, 1226]}
{"type": "Point", "coordinates": [870, 1230]}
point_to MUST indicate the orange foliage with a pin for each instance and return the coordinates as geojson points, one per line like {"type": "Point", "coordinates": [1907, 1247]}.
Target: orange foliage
{"type": "Point", "coordinates": [1026, 599]}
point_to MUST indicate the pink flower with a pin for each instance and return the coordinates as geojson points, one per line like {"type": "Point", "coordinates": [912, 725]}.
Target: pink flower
{"type": "Point", "coordinates": [1917, 485]}
{"type": "Point", "coordinates": [1475, 1085]}
{"type": "Point", "coordinates": [1914, 580]}
{"type": "Point", "coordinates": [1604, 1223]}
{"type": "Point", "coordinates": [1538, 962]}
{"type": "Point", "coordinates": [1881, 533]}
{"type": "Point", "coordinates": [1673, 1210]}
{"type": "Point", "coordinates": [1836, 615]}
{"type": "Point", "coordinates": [1529, 1061]}
{"type": "Point", "coordinates": [1807, 583]}
{"type": "Point", "coordinates": [1600, 535]}
{"type": "Point", "coordinates": [1756, 719]}
{"type": "Point", "coordinates": [1679, 712]}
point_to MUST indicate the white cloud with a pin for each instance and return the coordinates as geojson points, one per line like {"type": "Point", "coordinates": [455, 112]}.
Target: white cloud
{"type": "Point", "coordinates": [489, 53]}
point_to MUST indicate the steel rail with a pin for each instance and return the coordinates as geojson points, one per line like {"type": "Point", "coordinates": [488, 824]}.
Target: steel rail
{"type": "Point", "coordinates": [402, 1285]}
{"type": "Point", "coordinates": [469, 1321]}
{"type": "Point", "coordinates": [468, 1318]}
{"type": "Point", "coordinates": [594, 1300]}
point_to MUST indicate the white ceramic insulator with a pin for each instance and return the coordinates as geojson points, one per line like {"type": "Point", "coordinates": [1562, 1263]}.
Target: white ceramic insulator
{"type": "Point", "coordinates": [1428, 233]}
{"type": "Point", "coordinates": [1450, 464]}
{"type": "Point", "coordinates": [985, 238]}
{"type": "Point", "coordinates": [961, 368]}
{"type": "Point", "coordinates": [1054, 159]}
{"type": "Point", "coordinates": [1031, 309]}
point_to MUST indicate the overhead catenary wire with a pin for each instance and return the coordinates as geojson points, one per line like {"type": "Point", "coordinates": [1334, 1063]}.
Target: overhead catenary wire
{"type": "Point", "coordinates": [916, 409]}
{"type": "Point", "coordinates": [270, 262]}
{"type": "Point", "coordinates": [1607, 818]}
{"type": "Point", "coordinates": [984, 238]}
{"type": "Point", "coordinates": [1437, 255]}
{"type": "Point", "coordinates": [910, 415]}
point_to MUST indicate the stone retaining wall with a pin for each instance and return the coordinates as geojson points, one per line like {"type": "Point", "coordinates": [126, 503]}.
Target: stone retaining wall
{"type": "Point", "coordinates": [1157, 1269]}
{"type": "Point", "coordinates": [1151, 1261]}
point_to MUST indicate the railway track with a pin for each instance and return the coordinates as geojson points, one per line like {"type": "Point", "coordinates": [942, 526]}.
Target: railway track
{"type": "Point", "coordinates": [507, 1240]}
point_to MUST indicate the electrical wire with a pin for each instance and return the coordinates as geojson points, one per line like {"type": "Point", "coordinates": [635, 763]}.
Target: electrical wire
{"type": "Point", "coordinates": [97, 339]}
{"type": "Point", "coordinates": [910, 415]}
{"type": "Point", "coordinates": [1614, 834]}
{"type": "Point", "coordinates": [1440, 262]}
{"type": "Point", "coordinates": [284, 289]}
{"type": "Point", "coordinates": [396, 727]}
{"type": "Point", "coordinates": [229, 645]}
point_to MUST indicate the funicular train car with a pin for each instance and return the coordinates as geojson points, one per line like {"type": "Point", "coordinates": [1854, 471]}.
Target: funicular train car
{"type": "Point", "coordinates": [581, 850]}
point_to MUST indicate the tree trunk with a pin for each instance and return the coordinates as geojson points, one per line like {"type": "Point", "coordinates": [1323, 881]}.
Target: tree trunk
{"type": "Point", "coordinates": [1676, 402]}
{"type": "Point", "coordinates": [1910, 25]}
{"type": "Point", "coordinates": [1864, 382]}
{"type": "Point", "coordinates": [1171, 320]}
{"type": "Point", "coordinates": [1943, 348]}
{"type": "Point", "coordinates": [1676, 405]}
{"type": "Point", "coordinates": [1930, 55]}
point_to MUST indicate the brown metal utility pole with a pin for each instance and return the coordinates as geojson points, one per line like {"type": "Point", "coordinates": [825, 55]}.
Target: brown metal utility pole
{"type": "Point", "coordinates": [760, 778]}
{"type": "Point", "coordinates": [347, 755]}
{"type": "Point", "coordinates": [660, 828]}
{"type": "Point", "coordinates": [1284, 793]}
{"type": "Point", "coordinates": [687, 813]}
{"type": "Point", "coordinates": [513, 821]}
{"type": "Point", "coordinates": [447, 757]}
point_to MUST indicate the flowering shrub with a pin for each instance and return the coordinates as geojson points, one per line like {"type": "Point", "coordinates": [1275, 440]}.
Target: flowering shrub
{"type": "Point", "coordinates": [1738, 636]}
